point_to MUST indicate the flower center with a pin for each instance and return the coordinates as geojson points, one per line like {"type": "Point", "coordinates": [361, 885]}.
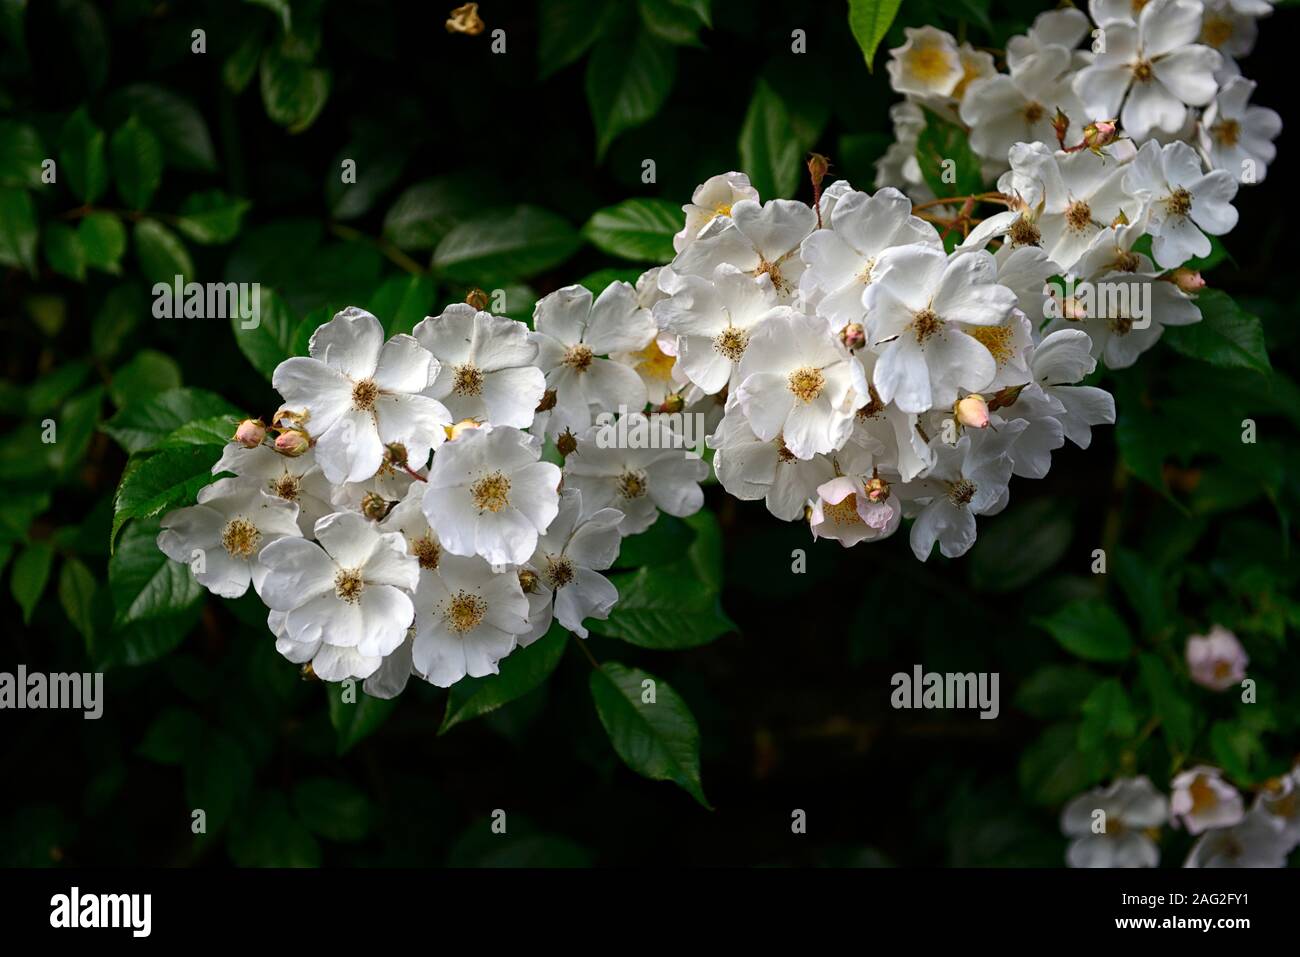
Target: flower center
{"type": "Point", "coordinates": [925, 324]}
{"type": "Point", "coordinates": [722, 209]}
{"type": "Point", "coordinates": [1202, 795]}
{"type": "Point", "coordinates": [1120, 325]}
{"type": "Point", "coordinates": [961, 491]}
{"type": "Point", "coordinates": [348, 585]}
{"type": "Point", "coordinates": [807, 383]}
{"type": "Point", "coordinates": [783, 454]}
{"type": "Point", "coordinates": [287, 487]}
{"type": "Point", "coordinates": [653, 363]}
{"type": "Point", "coordinates": [1024, 233]}
{"type": "Point", "coordinates": [364, 394]}
{"type": "Point", "coordinates": [877, 490]}
{"type": "Point", "coordinates": [465, 612]}
{"type": "Point", "coordinates": [528, 581]}
{"type": "Point", "coordinates": [468, 381]}
{"type": "Point", "coordinates": [996, 339]}
{"type": "Point", "coordinates": [845, 511]}
{"type": "Point", "coordinates": [559, 571]}
{"type": "Point", "coordinates": [929, 64]}
{"type": "Point", "coordinates": [1033, 112]}
{"type": "Point", "coordinates": [578, 358]}
{"type": "Point", "coordinates": [873, 407]}
{"type": "Point", "coordinates": [632, 484]}
{"type": "Point", "coordinates": [1078, 215]}
{"type": "Point", "coordinates": [426, 551]}
{"type": "Point", "coordinates": [490, 493]}
{"type": "Point", "coordinates": [1226, 132]}
{"type": "Point", "coordinates": [1142, 71]}
{"type": "Point", "coordinates": [1216, 30]}
{"type": "Point", "coordinates": [1179, 202]}
{"type": "Point", "coordinates": [864, 274]}
{"type": "Point", "coordinates": [1126, 262]}
{"type": "Point", "coordinates": [773, 272]}
{"type": "Point", "coordinates": [240, 538]}
{"type": "Point", "coordinates": [731, 342]}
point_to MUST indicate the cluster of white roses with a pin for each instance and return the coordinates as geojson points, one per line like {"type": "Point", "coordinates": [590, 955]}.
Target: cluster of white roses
{"type": "Point", "coordinates": [1118, 825]}
{"type": "Point", "coordinates": [847, 367]}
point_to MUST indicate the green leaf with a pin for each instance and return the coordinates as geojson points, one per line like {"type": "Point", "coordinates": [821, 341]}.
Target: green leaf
{"type": "Point", "coordinates": [1235, 747]}
{"type": "Point", "coordinates": [49, 391]}
{"type": "Point", "coordinates": [218, 778]}
{"type": "Point", "coordinates": [521, 672]}
{"type": "Point", "coordinates": [155, 600]}
{"type": "Point", "coordinates": [21, 155]}
{"type": "Point", "coordinates": [81, 157]}
{"type": "Point", "coordinates": [356, 721]}
{"type": "Point", "coordinates": [506, 245]}
{"type": "Point", "coordinates": [567, 30]}
{"type": "Point", "coordinates": [947, 163]}
{"type": "Point", "coordinates": [270, 836]}
{"type": "Point", "coordinates": [120, 313]}
{"type": "Point", "coordinates": [1140, 580]}
{"type": "Point", "coordinates": [665, 606]}
{"type": "Point", "coordinates": [427, 211]}
{"type": "Point", "coordinates": [1108, 716]}
{"type": "Point", "coordinates": [240, 66]}
{"type": "Point", "coordinates": [401, 302]}
{"type": "Point", "coordinates": [770, 151]}
{"type": "Point", "coordinates": [137, 163]}
{"type": "Point", "coordinates": [293, 92]}
{"type": "Point", "coordinates": [216, 430]}
{"type": "Point", "coordinates": [1168, 704]}
{"type": "Point", "coordinates": [639, 229]}
{"type": "Point", "coordinates": [157, 483]}
{"type": "Point", "coordinates": [78, 419]}
{"type": "Point", "coordinates": [18, 230]}
{"type": "Point", "coordinates": [103, 242]}
{"type": "Point", "coordinates": [650, 726]}
{"type": "Point", "coordinates": [629, 76]}
{"type": "Point", "coordinates": [179, 127]}
{"type": "Point", "coordinates": [63, 251]}
{"type": "Point", "coordinates": [870, 21]}
{"type": "Point", "coordinates": [271, 340]}
{"type": "Point", "coordinates": [1226, 336]}
{"type": "Point", "coordinates": [173, 734]}
{"type": "Point", "coordinates": [77, 595]}
{"type": "Point", "coordinates": [664, 542]}
{"type": "Point", "coordinates": [161, 253]}
{"type": "Point", "coordinates": [148, 374]}
{"type": "Point", "coordinates": [1019, 545]}
{"type": "Point", "coordinates": [1055, 691]}
{"type": "Point", "coordinates": [29, 576]}
{"type": "Point", "coordinates": [671, 21]}
{"type": "Point", "coordinates": [1090, 630]}
{"type": "Point", "coordinates": [143, 423]}
{"type": "Point", "coordinates": [1052, 769]}
{"type": "Point", "coordinates": [334, 809]}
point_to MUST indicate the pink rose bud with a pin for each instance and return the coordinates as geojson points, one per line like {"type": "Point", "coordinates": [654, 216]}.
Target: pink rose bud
{"type": "Point", "coordinates": [1099, 134]}
{"type": "Point", "coordinates": [972, 411]}
{"type": "Point", "coordinates": [876, 489]}
{"type": "Point", "coordinates": [292, 442]}
{"type": "Point", "coordinates": [1216, 661]}
{"type": "Point", "coordinates": [250, 433]}
{"type": "Point", "coordinates": [853, 336]}
{"type": "Point", "coordinates": [1187, 280]}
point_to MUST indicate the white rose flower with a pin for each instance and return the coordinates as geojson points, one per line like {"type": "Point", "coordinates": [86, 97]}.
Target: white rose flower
{"type": "Point", "coordinates": [1184, 202]}
{"type": "Point", "coordinates": [713, 319]}
{"type": "Point", "coordinates": [967, 479]}
{"type": "Point", "coordinates": [755, 239]}
{"type": "Point", "coordinates": [1003, 110]}
{"type": "Point", "coordinates": [799, 383]}
{"type": "Point", "coordinates": [467, 619]}
{"type": "Point", "coordinates": [928, 64]}
{"type": "Point", "coordinates": [296, 479]}
{"type": "Point", "coordinates": [573, 332]}
{"type": "Point", "coordinates": [1237, 137]}
{"type": "Point", "coordinates": [839, 259]}
{"type": "Point", "coordinates": [345, 600]}
{"type": "Point", "coordinates": [1064, 357]}
{"type": "Point", "coordinates": [640, 482]}
{"type": "Point", "coordinates": [1147, 75]}
{"type": "Point", "coordinates": [1256, 841]}
{"type": "Point", "coordinates": [222, 537]}
{"type": "Point", "coordinates": [751, 468]}
{"type": "Point", "coordinates": [487, 370]}
{"type": "Point", "coordinates": [363, 393]}
{"type": "Point", "coordinates": [920, 311]}
{"type": "Point", "coordinates": [489, 495]}
{"type": "Point", "coordinates": [1201, 800]}
{"type": "Point", "coordinates": [1051, 31]}
{"type": "Point", "coordinates": [1128, 808]}
{"type": "Point", "coordinates": [576, 547]}
{"type": "Point", "coordinates": [712, 198]}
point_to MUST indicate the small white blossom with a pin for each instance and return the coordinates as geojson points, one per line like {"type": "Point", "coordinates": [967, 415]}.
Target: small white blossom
{"type": "Point", "coordinates": [1117, 836]}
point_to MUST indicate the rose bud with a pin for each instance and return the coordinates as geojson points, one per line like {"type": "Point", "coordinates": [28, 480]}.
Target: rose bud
{"type": "Point", "coordinates": [292, 442]}
{"type": "Point", "coordinates": [972, 411]}
{"type": "Point", "coordinates": [251, 433]}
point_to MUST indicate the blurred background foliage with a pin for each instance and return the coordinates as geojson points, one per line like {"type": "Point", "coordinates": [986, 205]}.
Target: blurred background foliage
{"type": "Point", "coordinates": [524, 168]}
